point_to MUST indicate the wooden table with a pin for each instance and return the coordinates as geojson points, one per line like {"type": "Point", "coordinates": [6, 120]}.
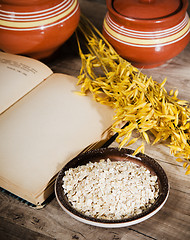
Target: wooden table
{"type": "Point", "coordinates": [18, 221]}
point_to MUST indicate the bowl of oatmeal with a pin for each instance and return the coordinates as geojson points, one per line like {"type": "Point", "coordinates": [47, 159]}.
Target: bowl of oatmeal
{"type": "Point", "coordinates": [111, 188]}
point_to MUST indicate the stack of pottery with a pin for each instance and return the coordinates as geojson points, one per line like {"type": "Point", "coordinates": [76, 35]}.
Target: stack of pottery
{"type": "Point", "coordinates": [147, 32]}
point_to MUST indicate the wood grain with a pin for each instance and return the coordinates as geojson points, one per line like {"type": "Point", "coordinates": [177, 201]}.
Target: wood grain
{"type": "Point", "coordinates": [18, 221]}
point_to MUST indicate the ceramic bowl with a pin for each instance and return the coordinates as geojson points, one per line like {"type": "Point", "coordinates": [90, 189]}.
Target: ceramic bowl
{"type": "Point", "coordinates": [113, 154]}
{"type": "Point", "coordinates": [147, 32]}
{"type": "Point", "coordinates": [36, 28]}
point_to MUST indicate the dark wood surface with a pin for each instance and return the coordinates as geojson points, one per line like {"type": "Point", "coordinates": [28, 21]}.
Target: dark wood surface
{"type": "Point", "coordinates": [18, 221]}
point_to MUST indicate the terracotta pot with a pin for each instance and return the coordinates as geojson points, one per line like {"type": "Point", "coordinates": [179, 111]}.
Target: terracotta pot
{"type": "Point", "coordinates": [147, 32]}
{"type": "Point", "coordinates": [37, 27]}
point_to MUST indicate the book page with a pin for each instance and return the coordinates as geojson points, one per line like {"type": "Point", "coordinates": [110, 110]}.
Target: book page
{"type": "Point", "coordinates": [18, 75]}
{"type": "Point", "coordinates": [47, 128]}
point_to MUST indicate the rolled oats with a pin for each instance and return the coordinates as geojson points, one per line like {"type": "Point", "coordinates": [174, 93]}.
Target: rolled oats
{"type": "Point", "coordinates": [110, 189]}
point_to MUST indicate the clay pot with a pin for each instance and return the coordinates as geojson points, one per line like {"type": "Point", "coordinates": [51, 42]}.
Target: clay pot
{"type": "Point", "coordinates": [147, 32]}
{"type": "Point", "coordinates": [37, 27]}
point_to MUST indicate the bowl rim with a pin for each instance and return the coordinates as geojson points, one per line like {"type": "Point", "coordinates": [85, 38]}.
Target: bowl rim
{"type": "Point", "coordinates": [100, 153]}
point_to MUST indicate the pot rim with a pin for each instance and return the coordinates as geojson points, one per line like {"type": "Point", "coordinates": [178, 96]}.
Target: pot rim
{"type": "Point", "coordinates": [176, 16]}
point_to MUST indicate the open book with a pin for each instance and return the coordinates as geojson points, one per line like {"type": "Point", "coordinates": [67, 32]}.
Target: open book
{"type": "Point", "coordinates": [43, 124]}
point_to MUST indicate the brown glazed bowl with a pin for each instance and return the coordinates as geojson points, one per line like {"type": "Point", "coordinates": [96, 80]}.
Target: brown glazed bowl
{"type": "Point", "coordinates": [114, 154]}
{"type": "Point", "coordinates": [36, 28]}
{"type": "Point", "coordinates": [147, 32]}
